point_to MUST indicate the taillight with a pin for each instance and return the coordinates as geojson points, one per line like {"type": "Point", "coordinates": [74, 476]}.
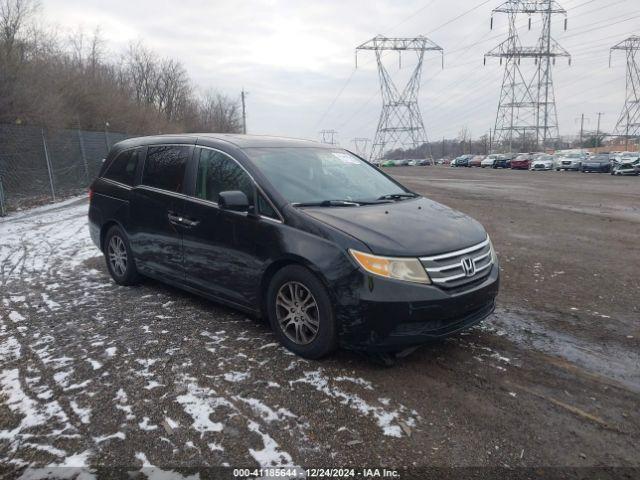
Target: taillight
{"type": "Point", "coordinates": [90, 194]}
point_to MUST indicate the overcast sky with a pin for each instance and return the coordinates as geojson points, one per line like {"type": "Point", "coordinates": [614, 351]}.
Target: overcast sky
{"type": "Point", "coordinates": [296, 57]}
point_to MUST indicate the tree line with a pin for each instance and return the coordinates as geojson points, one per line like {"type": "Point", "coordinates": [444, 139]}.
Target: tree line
{"type": "Point", "coordinates": [72, 82]}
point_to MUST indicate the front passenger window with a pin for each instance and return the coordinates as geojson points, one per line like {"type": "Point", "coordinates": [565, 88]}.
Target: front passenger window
{"type": "Point", "coordinates": [219, 173]}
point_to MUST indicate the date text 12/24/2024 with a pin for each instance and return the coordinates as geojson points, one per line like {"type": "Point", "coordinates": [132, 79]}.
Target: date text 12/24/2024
{"type": "Point", "coordinates": [248, 473]}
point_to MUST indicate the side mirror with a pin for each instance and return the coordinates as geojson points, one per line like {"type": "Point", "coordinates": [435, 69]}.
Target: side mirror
{"type": "Point", "coordinates": [235, 201]}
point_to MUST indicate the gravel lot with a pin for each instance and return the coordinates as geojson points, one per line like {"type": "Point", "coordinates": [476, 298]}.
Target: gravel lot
{"type": "Point", "coordinates": [92, 374]}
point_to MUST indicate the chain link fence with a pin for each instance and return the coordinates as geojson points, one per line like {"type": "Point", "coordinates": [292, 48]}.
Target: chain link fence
{"type": "Point", "coordinates": [40, 165]}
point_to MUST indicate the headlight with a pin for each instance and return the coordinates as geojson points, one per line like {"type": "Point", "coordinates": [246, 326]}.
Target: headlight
{"type": "Point", "coordinates": [407, 269]}
{"type": "Point", "coordinates": [494, 257]}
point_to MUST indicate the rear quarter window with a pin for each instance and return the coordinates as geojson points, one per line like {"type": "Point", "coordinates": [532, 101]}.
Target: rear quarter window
{"type": "Point", "coordinates": [123, 168]}
{"type": "Point", "coordinates": [165, 167]}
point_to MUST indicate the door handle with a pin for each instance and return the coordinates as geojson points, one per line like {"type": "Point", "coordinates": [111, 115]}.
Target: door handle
{"type": "Point", "coordinates": [189, 222]}
{"type": "Point", "coordinates": [175, 219]}
{"type": "Point", "coordinates": [182, 221]}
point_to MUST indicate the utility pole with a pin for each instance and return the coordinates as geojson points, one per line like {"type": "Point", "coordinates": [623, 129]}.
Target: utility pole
{"type": "Point", "coordinates": [443, 153]}
{"type": "Point", "coordinates": [243, 95]}
{"type": "Point", "coordinates": [598, 132]}
{"type": "Point", "coordinates": [490, 141]}
{"type": "Point", "coordinates": [629, 120]}
{"type": "Point", "coordinates": [400, 124]}
{"type": "Point", "coordinates": [581, 130]}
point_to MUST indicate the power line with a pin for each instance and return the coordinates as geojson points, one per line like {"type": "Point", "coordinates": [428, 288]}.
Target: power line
{"type": "Point", "coordinates": [459, 16]}
{"type": "Point", "coordinates": [412, 15]}
{"type": "Point", "coordinates": [335, 99]}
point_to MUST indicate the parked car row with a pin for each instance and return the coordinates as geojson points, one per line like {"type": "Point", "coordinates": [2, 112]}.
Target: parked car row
{"type": "Point", "coordinates": [627, 163]}
{"type": "Point", "coordinates": [620, 163]}
{"type": "Point", "coordinates": [423, 162]}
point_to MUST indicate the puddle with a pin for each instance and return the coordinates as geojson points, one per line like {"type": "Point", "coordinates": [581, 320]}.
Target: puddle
{"type": "Point", "coordinates": [613, 361]}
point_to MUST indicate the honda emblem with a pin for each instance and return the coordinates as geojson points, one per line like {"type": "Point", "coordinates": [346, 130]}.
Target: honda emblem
{"type": "Point", "coordinates": [468, 266]}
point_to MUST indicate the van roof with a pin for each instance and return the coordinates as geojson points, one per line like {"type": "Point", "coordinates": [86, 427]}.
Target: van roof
{"type": "Point", "coordinates": [239, 140]}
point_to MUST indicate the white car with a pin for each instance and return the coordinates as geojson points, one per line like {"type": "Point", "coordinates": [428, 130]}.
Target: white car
{"type": "Point", "coordinates": [569, 161]}
{"type": "Point", "coordinates": [489, 161]}
{"type": "Point", "coordinates": [542, 162]}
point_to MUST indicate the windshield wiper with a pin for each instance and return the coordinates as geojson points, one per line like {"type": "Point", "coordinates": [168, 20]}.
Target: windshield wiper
{"type": "Point", "coordinates": [328, 203]}
{"type": "Point", "coordinates": [398, 196]}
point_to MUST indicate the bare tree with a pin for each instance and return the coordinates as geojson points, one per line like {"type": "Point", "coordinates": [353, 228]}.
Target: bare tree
{"type": "Point", "coordinates": [464, 136]}
{"type": "Point", "coordinates": [65, 83]}
{"type": "Point", "coordinates": [173, 90]}
{"type": "Point", "coordinates": [14, 15]}
{"type": "Point", "coordinates": [142, 67]}
{"type": "Point", "coordinates": [219, 114]}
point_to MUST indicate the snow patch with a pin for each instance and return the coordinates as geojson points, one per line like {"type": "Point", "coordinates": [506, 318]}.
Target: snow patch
{"type": "Point", "coordinates": [387, 420]}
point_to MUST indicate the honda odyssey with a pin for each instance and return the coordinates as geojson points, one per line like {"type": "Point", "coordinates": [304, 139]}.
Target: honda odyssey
{"type": "Point", "coordinates": [326, 247]}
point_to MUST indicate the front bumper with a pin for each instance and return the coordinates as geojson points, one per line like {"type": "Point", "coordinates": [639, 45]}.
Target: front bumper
{"type": "Point", "coordinates": [595, 168]}
{"type": "Point", "coordinates": [572, 166]}
{"type": "Point", "coordinates": [390, 315]}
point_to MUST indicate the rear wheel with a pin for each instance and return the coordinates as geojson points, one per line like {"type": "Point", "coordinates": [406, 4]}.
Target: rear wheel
{"type": "Point", "coordinates": [120, 262]}
{"type": "Point", "coordinates": [300, 312]}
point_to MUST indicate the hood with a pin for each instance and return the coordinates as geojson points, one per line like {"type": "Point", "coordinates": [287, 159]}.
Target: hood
{"type": "Point", "coordinates": [410, 228]}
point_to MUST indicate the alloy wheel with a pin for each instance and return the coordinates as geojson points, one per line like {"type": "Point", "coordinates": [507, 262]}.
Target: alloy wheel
{"type": "Point", "coordinates": [297, 313]}
{"type": "Point", "coordinates": [117, 252]}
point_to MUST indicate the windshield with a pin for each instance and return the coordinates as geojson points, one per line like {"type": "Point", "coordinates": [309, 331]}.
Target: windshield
{"type": "Point", "coordinates": [313, 175]}
{"type": "Point", "coordinates": [600, 159]}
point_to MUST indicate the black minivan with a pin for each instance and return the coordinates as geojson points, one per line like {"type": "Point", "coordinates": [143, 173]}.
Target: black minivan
{"type": "Point", "coordinates": [309, 236]}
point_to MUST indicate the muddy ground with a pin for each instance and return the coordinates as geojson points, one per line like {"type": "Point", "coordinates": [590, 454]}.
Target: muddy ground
{"type": "Point", "coordinates": [94, 374]}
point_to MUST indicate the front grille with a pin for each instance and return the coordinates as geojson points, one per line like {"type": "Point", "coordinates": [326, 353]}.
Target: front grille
{"type": "Point", "coordinates": [447, 270]}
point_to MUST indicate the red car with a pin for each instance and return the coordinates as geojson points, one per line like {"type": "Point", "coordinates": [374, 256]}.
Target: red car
{"type": "Point", "coordinates": [521, 162]}
{"type": "Point", "coordinates": [476, 161]}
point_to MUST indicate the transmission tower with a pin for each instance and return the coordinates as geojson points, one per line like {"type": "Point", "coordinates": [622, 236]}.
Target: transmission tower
{"type": "Point", "coordinates": [328, 137]}
{"type": "Point", "coordinates": [400, 124]}
{"type": "Point", "coordinates": [527, 107]}
{"type": "Point", "coordinates": [361, 145]}
{"type": "Point", "coordinates": [629, 122]}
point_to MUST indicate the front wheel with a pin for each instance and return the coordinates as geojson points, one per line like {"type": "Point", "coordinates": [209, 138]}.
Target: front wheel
{"type": "Point", "coordinates": [300, 312]}
{"type": "Point", "coordinates": [120, 262]}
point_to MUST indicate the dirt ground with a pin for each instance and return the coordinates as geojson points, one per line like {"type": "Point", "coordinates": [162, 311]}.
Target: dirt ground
{"type": "Point", "coordinates": [92, 374]}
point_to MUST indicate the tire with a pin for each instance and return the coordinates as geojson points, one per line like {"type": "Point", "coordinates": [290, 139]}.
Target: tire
{"type": "Point", "coordinates": [119, 258]}
{"type": "Point", "coordinates": [289, 284]}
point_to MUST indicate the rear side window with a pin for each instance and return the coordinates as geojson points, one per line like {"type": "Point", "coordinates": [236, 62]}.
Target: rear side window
{"type": "Point", "coordinates": [123, 168]}
{"type": "Point", "coordinates": [165, 166]}
{"type": "Point", "coordinates": [219, 173]}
